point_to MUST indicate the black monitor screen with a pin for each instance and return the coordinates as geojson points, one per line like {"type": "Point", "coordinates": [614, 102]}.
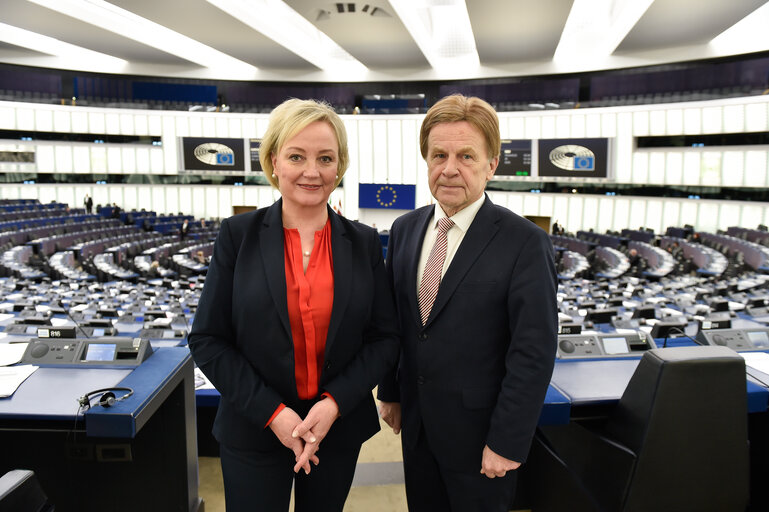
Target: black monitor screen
{"type": "Point", "coordinates": [100, 352]}
{"type": "Point", "coordinates": [515, 159]}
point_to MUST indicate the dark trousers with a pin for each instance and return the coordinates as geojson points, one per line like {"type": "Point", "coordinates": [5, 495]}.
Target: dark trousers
{"type": "Point", "coordinates": [261, 480]}
{"type": "Point", "coordinates": [433, 487]}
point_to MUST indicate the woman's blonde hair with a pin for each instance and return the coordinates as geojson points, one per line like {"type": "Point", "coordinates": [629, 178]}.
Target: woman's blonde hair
{"type": "Point", "coordinates": [293, 116]}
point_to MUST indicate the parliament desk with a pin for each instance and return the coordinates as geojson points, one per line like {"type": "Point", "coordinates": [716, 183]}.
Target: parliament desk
{"type": "Point", "coordinates": [139, 454]}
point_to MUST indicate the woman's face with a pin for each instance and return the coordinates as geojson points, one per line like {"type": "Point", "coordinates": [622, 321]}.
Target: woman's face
{"type": "Point", "coordinates": [306, 166]}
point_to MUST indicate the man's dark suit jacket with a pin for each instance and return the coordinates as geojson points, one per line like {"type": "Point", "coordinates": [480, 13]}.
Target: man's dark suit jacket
{"type": "Point", "coordinates": [241, 337]}
{"type": "Point", "coordinates": [476, 374]}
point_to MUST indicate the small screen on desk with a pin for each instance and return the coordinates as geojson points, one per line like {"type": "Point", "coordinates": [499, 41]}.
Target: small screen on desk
{"type": "Point", "coordinates": [98, 331]}
{"type": "Point", "coordinates": [615, 346]}
{"type": "Point", "coordinates": [759, 339]}
{"type": "Point", "coordinates": [100, 352]}
{"type": "Point", "coordinates": [32, 329]}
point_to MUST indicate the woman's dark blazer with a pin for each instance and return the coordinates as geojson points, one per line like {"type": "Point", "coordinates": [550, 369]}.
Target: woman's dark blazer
{"type": "Point", "coordinates": [241, 336]}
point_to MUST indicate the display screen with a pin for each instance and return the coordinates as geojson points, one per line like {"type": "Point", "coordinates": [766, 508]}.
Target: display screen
{"type": "Point", "coordinates": [213, 154]}
{"type": "Point", "coordinates": [253, 146]}
{"type": "Point", "coordinates": [99, 331]}
{"type": "Point", "coordinates": [100, 352]}
{"type": "Point", "coordinates": [759, 339]}
{"type": "Point", "coordinates": [32, 329]}
{"type": "Point", "coordinates": [515, 159]}
{"type": "Point", "coordinates": [615, 346]}
{"type": "Point", "coordinates": [575, 158]}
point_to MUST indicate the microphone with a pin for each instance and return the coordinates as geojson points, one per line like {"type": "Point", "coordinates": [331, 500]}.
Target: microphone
{"type": "Point", "coordinates": [77, 325]}
{"type": "Point", "coordinates": [676, 329]}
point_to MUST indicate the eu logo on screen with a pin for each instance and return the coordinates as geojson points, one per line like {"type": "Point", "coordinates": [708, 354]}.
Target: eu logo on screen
{"type": "Point", "coordinates": [584, 163]}
{"type": "Point", "coordinates": [225, 159]}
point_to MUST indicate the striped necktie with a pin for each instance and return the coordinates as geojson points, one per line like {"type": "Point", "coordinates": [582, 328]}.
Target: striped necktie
{"type": "Point", "coordinates": [431, 278]}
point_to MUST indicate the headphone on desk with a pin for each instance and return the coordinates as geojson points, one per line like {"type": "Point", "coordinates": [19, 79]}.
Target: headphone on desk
{"type": "Point", "coordinates": [107, 398]}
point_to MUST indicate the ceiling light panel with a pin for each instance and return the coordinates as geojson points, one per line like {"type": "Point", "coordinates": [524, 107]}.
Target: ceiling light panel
{"type": "Point", "coordinates": [127, 24]}
{"type": "Point", "coordinates": [747, 35]}
{"type": "Point", "coordinates": [278, 21]}
{"type": "Point", "coordinates": [595, 28]}
{"type": "Point", "coordinates": [69, 54]}
{"type": "Point", "coordinates": [442, 30]}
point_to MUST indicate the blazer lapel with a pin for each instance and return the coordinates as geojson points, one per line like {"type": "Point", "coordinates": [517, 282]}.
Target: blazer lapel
{"type": "Point", "coordinates": [482, 230]}
{"type": "Point", "coordinates": [271, 246]}
{"type": "Point", "coordinates": [341, 247]}
{"type": "Point", "coordinates": [421, 225]}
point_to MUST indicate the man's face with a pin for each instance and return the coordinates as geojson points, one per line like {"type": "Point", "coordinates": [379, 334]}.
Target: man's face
{"type": "Point", "coordinates": [459, 165]}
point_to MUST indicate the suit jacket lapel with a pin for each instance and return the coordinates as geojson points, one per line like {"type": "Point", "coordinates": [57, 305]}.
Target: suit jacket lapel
{"type": "Point", "coordinates": [482, 230]}
{"type": "Point", "coordinates": [414, 251]}
{"type": "Point", "coordinates": [341, 247]}
{"type": "Point", "coordinates": [271, 245]}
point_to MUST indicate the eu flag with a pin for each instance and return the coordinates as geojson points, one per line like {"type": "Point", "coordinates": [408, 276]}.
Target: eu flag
{"type": "Point", "coordinates": [384, 195]}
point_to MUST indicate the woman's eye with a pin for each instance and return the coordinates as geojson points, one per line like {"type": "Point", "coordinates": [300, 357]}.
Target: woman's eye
{"type": "Point", "coordinates": [326, 159]}
{"type": "Point", "coordinates": [295, 158]}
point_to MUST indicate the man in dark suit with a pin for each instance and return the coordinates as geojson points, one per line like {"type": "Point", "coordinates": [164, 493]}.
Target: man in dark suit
{"type": "Point", "coordinates": [475, 289]}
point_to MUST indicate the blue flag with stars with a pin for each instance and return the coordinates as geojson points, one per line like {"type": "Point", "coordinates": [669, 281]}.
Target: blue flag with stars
{"type": "Point", "coordinates": [384, 195]}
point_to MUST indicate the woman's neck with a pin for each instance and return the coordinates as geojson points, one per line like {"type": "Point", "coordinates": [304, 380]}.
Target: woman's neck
{"type": "Point", "coordinates": [297, 217]}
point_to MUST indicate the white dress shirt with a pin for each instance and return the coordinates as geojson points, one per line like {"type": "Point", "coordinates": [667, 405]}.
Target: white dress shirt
{"type": "Point", "coordinates": [462, 220]}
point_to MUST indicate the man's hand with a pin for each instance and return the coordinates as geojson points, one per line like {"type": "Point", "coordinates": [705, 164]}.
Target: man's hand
{"type": "Point", "coordinates": [494, 465]}
{"type": "Point", "coordinates": [314, 428]}
{"type": "Point", "coordinates": [390, 412]}
{"type": "Point", "coordinates": [283, 425]}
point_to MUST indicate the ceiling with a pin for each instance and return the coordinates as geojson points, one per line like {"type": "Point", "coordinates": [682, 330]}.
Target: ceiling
{"type": "Point", "coordinates": [511, 37]}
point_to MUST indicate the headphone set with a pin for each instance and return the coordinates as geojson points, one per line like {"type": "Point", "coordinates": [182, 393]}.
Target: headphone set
{"type": "Point", "coordinates": [107, 398]}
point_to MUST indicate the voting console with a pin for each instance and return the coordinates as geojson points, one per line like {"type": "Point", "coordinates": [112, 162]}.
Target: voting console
{"type": "Point", "coordinates": [138, 454]}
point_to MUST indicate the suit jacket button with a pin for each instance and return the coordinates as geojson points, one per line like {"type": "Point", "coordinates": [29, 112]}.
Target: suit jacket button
{"type": "Point", "coordinates": [420, 380]}
{"type": "Point", "coordinates": [328, 365]}
{"type": "Point", "coordinates": [423, 336]}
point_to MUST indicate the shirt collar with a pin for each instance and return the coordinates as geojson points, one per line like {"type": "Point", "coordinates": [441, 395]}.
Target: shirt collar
{"type": "Point", "coordinates": [463, 218]}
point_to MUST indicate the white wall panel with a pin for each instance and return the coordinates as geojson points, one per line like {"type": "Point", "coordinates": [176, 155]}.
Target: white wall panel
{"type": "Point", "coordinates": [657, 168]}
{"type": "Point", "coordinates": [127, 124]}
{"type": "Point", "coordinates": [25, 119]}
{"type": "Point", "coordinates": [365, 145]}
{"type": "Point", "coordinates": [563, 127]}
{"type": "Point", "coordinates": [79, 122]}
{"type": "Point", "coordinates": [640, 167]}
{"type": "Point", "coordinates": [657, 122]}
{"type": "Point", "coordinates": [590, 211]}
{"type": "Point", "coordinates": [222, 126]}
{"type": "Point", "coordinates": [756, 117]}
{"type": "Point", "coordinates": [674, 123]}
{"type": "Point", "coordinates": [211, 204]}
{"type": "Point", "coordinates": [756, 168]}
{"type": "Point", "coordinates": [728, 214]}
{"type": "Point", "coordinates": [545, 205]}
{"type": "Point", "coordinates": [182, 127]}
{"type": "Point", "coordinates": [593, 125]}
{"type": "Point", "coordinates": [547, 128]}
{"type": "Point", "coordinates": [71, 196]}
{"type": "Point", "coordinates": [193, 125]}
{"type": "Point", "coordinates": [734, 118]}
{"type": "Point", "coordinates": [46, 194]}
{"type": "Point", "coordinates": [530, 204]}
{"type": "Point", "coordinates": [692, 168]}
{"type": "Point", "coordinates": [689, 212]}
{"type": "Point", "coordinates": [145, 199]}
{"type": "Point", "coordinates": [7, 118]}
{"type": "Point", "coordinates": [81, 159]}
{"type": "Point", "coordinates": [733, 171]}
{"type": "Point", "coordinates": [513, 203]}
{"type": "Point", "coordinates": [654, 216]}
{"type": "Point", "coordinates": [43, 120]}
{"type": "Point", "coordinates": [45, 159]}
{"type": "Point", "coordinates": [692, 121]}
{"type": "Point", "coordinates": [209, 126]}
{"type": "Point", "coordinates": [63, 158]}
{"type": "Point", "coordinates": [159, 199]}
{"type": "Point", "coordinates": [641, 123]}
{"type": "Point", "coordinates": [532, 128]}
{"type": "Point", "coordinates": [248, 128]}
{"type": "Point", "coordinates": [184, 201]}
{"type": "Point", "coordinates": [605, 213]}
{"type": "Point", "coordinates": [574, 220]}
{"type": "Point", "coordinates": [62, 121]}
{"type": "Point", "coordinates": [393, 172]}
{"type": "Point", "coordinates": [710, 168]}
{"type": "Point", "coordinates": [637, 213]}
{"type": "Point", "coordinates": [141, 125]}
{"type": "Point", "coordinates": [671, 214]}
{"type": "Point", "coordinates": [707, 216]}
{"type": "Point", "coordinates": [234, 128]}
{"type": "Point", "coordinates": [578, 126]}
{"type": "Point", "coordinates": [155, 125]}
{"type": "Point", "coordinates": [751, 214]}
{"type": "Point", "coordinates": [143, 160]}
{"type": "Point", "coordinates": [516, 128]}
{"type": "Point", "coordinates": [130, 198]}
{"type": "Point", "coordinates": [712, 120]}
{"type": "Point", "coordinates": [411, 151]}
{"type": "Point", "coordinates": [114, 159]}
{"type": "Point", "coordinates": [623, 147]}
{"type": "Point", "coordinates": [129, 159]}
{"type": "Point", "coordinates": [674, 168]}
{"type": "Point", "coordinates": [609, 124]}
{"type": "Point", "coordinates": [622, 214]}
{"type": "Point", "coordinates": [96, 123]}
{"type": "Point", "coordinates": [98, 158]}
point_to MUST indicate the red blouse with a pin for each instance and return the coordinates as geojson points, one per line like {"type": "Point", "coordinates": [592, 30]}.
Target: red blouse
{"type": "Point", "coordinates": [310, 297]}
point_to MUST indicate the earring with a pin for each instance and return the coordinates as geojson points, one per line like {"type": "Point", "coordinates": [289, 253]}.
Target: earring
{"type": "Point", "coordinates": [273, 175]}
{"type": "Point", "coordinates": [337, 176]}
